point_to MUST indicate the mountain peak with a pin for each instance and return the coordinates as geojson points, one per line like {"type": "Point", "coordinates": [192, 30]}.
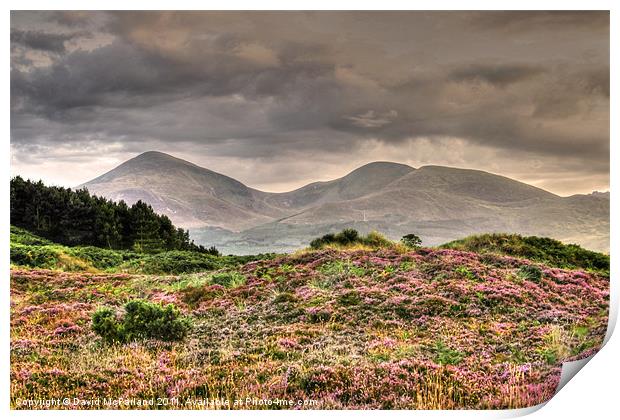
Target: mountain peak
{"type": "Point", "coordinates": [364, 180]}
{"type": "Point", "coordinates": [148, 161]}
{"type": "Point", "coordinates": [155, 154]}
{"type": "Point", "coordinates": [185, 192]}
{"type": "Point", "coordinates": [382, 164]}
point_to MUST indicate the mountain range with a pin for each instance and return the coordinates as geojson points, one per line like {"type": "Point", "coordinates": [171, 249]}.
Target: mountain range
{"type": "Point", "coordinates": [437, 203]}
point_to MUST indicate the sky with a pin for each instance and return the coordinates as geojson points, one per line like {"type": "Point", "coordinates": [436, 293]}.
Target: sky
{"type": "Point", "coordinates": [281, 99]}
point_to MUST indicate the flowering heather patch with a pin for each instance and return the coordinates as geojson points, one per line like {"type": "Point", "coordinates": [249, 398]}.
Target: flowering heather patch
{"type": "Point", "coordinates": [427, 329]}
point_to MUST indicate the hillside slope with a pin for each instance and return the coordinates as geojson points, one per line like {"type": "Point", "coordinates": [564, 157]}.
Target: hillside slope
{"type": "Point", "coordinates": [544, 250]}
{"type": "Point", "coordinates": [363, 181]}
{"type": "Point", "coordinates": [431, 329]}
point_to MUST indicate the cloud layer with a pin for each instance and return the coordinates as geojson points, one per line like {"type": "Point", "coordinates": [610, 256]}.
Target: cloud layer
{"type": "Point", "coordinates": [279, 99]}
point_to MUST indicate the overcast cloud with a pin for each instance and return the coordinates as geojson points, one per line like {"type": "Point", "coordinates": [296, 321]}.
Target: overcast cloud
{"type": "Point", "coordinates": [278, 100]}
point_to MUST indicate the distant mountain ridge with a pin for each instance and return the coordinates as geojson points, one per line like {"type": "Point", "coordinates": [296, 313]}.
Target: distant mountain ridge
{"type": "Point", "coordinates": [438, 203]}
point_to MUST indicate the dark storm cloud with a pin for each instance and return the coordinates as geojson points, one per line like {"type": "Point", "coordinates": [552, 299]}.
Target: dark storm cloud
{"type": "Point", "coordinates": [72, 19]}
{"type": "Point", "coordinates": [124, 75]}
{"type": "Point", "coordinates": [42, 41]}
{"type": "Point", "coordinates": [92, 78]}
{"type": "Point", "coordinates": [270, 85]}
{"type": "Point", "coordinates": [499, 75]}
{"type": "Point", "coordinates": [529, 21]}
{"type": "Point", "coordinates": [595, 81]}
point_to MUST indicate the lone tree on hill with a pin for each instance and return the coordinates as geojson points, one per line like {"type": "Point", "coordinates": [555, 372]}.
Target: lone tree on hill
{"type": "Point", "coordinates": [411, 240]}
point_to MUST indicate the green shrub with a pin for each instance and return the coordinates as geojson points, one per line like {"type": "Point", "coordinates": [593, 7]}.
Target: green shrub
{"type": "Point", "coordinates": [141, 320]}
{"type": "Point", "coordinates": [444, 355]}
{"type": "Point", "coordinates": [233, 260]}
{"type": "Point", "coordinates": [531, 272]}
{"type": "Point", "coordinates": [51, 257]}
{"type": "Point", "coordinates": [411, 240]}
{"type": "Point", "coordinates": [319, 243]}
{"type": "Point", "coordinates": [376, 240]}
{"type": "Point", "coordinates": [31, 251]}
{"type": "Point", "coordinates": [347, 236]}
{"type": "Point", "coordinates": [34, 256]}
{"type": "Point", "coordinates": [99, 257]}
{"type": "Point", "coordinates": [150, 320]}
{"type": "Point", "coordinates": [173, 262]}
{"type": "Point", "coordinates": [351, 237]}
{"type": "Point", "coordinates": [228, 279]}
{"type": "Point", "coordinates": [106, 324]}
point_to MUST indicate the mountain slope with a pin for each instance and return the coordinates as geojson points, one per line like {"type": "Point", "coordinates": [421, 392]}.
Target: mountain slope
{"type": "Point", "coordinates": [441, 204]}
{"type": "Point", "coordinates": [190, 195]}
{"type": "Point", "coordinates": [438, 203]}
{"type": "Point", "coordinates": [433, 193]}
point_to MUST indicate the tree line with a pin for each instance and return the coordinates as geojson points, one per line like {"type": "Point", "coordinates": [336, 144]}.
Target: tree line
{"type": "Point", "coordinates": [75, 217]}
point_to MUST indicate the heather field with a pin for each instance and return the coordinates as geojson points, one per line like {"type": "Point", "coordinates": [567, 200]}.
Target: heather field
{"type": "Point", "coordinates": [389, 328]}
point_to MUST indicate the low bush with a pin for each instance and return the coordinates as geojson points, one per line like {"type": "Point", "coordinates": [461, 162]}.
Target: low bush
{"type": "Point", "coordinates": [106, 324]}
{"type": "Point", "coordinates": [141, 320]}
{"type": "Point", "coordinates": [411, 240]}
{"type": "Point", "coordinates": [34, 256]}
{"type": "Point", "coordinates": [173, 262]}
{"type": "Point", "coordinates": [376, 240]}
{"type": "Point", "coordinates": [444, 355]}
{"type": "Point", "coordinates": [51, 257]}
{"type": "Point", "coordinates": [531, 272]}
{"type": "Point", "coordinates": [101, 258]}
{"type": "Point", "coordinates": [349, 238]}
{"type": "Point", "coordinates": [228, 279]}
{"type": "Point", "coordinates": [185, 262]}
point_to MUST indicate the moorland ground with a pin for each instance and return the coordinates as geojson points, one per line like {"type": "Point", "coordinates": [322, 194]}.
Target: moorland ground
{"type": "Point", "coordinates": [351, 326]}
